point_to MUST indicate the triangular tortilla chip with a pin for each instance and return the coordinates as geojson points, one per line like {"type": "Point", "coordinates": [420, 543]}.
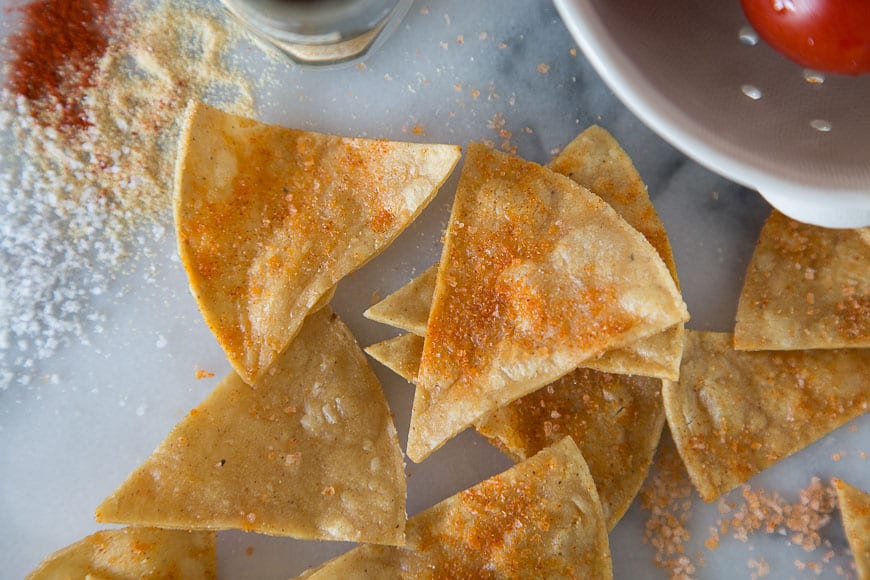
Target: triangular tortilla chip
{"type": "Point", "coordinates": [596, 161]}
{"type": "Point", "coordinates": [539, 519]}
{"type": "Point", "coordinates": [537, 275]}
{"type": "Point", "coordinates": [134, 553]}
{"type": "Point", "coordinates": [310, 452]}
{"type": "Point", "coordinates": [735, 413]}
{"type": "Point", "coordinates": [408, 307]}
{"type": "Point", "coordinates": [400, 354]}
{"type": "Point", "coordinates": [806, 287]}
{"type": "Point", "coordinates": [269, 219]}
{"type": "Point", "coordinates": [616, 421]}
{"type": "Point", "coordinates": [855, 507]}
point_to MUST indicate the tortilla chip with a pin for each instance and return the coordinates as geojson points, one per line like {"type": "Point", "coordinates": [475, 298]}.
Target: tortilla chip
{"type": "Point", "coordinates": [400, 354]}
{"type": "Point", "coordinates": [134, 553]}
{"type": "Point", "coordinates": [855, 507]}
{"type": "Point", "coordinates": [596, 161]}
{"type": "Point", "coordinates": [408, 307]}
{"type": "Point", "coordinates": [310, 452]}
{"type": "Point", "coordinates": [269, 219]}
{"type": "Point", "coordinates": [616, 421]}
{"type": "Point", "coordinates": [539, 519]}
{"type": "Point", "coordinates": [537, 275]}
{"type": "Point", "coordinates": [806, 287]}
{"type": "Point", "coordinates": [735, 413]}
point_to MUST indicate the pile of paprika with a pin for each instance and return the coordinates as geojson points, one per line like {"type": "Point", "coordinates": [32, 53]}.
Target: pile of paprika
{"type": "Point", "coordinates": [54, 56]}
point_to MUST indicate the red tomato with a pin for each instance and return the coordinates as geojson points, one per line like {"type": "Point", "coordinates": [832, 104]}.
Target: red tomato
{"type": "Point", "coordinates": [825, 35]}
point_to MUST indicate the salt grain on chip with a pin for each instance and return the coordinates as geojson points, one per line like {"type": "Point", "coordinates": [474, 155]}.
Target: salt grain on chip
{"type": "Point", "coordinates": [734, 413]}
{"type": "Point", "coordinates": [806, 287]}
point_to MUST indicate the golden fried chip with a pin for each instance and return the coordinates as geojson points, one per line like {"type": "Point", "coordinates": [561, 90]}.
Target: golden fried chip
{"type": "Point", "coordinates": [596, 161]}
{"type": "Point", "coordinates": [310, 452]}
{"type": "Point", "coordinates": [616, 421]}
{"type": "Point", "coordinates": [855, 507]}
{"type": "Point", "coordinates": [806, 287]}
{"type": "Point", "coordinates": [539, 519]}
{"type": "Point", "coordinates": [735, 413]}
{"type": "Point", "coordinates": [537, 275]}
{"type": "Point", "coordinates": [408, 307]}
{"type": "Point", "coordinates": [400, 354]}
{"type": "Point", "coordinates": [269, 219]}
{"type": "Point", "coordinates": [133, 553]}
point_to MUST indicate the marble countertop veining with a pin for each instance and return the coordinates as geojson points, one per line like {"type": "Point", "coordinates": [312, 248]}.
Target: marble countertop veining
{"type": "Point", "coordinates": [454, 71]}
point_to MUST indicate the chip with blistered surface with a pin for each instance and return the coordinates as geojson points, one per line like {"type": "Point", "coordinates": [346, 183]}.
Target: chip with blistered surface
{"type": "Point", "coordinates": [537, 275]}
{"type": "Point", "coordinates": [616, 420]}
{"type": "Point", "coordinates": [309, 451]}
{"type": "Point", "coordinates": [593, 160]}
{"type": "Point", "coordinates": [539, 519]}
{"type": "Point", "coordinates": [734, 413]}
{"type": "Point", "coordinates": [806, 287]}
{"type": "Point", "coordinates": [134, 553]}
{"type": "Point", "coordinates": [269, 219]}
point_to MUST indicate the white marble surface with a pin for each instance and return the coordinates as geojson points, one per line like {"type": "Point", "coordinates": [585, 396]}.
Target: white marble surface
{"type": "Point", "coordinates": [65, 446]}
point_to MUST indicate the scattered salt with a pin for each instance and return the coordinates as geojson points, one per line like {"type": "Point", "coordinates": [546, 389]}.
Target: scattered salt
{"type": "Point", "coordinates": [72, 201]}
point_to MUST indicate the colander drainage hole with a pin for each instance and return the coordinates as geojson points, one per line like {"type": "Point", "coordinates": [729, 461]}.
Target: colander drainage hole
{"type": "Point", "coordinates": [821, 125]}
{"type": "Point", "coordinates": [751, 91]}
{"type": "Point", "coordinates": [813, 77]}
{"type": "Point", "coordinates": [748, 36]}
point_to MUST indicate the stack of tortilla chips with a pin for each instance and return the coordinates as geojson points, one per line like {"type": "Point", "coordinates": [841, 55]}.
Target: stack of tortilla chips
{"type": "Point", "coordinates": [796, 367]}
{"type": "Point", "coordinates": [548, 315]}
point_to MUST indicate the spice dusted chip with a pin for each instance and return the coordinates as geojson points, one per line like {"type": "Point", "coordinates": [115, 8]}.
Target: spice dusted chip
{"type": "Point", "coordinates": [539, 519]}
{"type": "Point", "coordinates": [537, 275]}
{"type": "Point", "coordinates": [596, 161]}
{"type": "Point", "coordinates": [735, 413]}
{"type": "Point", "coordinates": [616, 420]}
{"type": "Point", "coordinates": [408, 307]}
{"type": "Point", "coordinates": [806, 287]}
{"type": "Point", "coordinates": [310, 452]}
{"type": "Point", "coordinates": [269, 219]}
{"type": "Point", "coordinates": [855, 507]}
{"type": "Point", "coordinates": [134, 553]}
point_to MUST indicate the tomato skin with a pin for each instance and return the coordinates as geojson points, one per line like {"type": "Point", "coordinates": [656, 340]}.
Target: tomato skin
{"type": "Point", "coordinates": [824, 35]}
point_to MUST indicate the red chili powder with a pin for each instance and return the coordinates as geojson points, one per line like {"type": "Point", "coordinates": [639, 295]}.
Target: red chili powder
{"type": "Point", "coordinates": [55, 54]}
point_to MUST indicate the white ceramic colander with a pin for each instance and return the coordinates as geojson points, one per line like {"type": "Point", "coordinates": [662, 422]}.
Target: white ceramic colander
{"type": "Point", "coordinates": [696, 73]}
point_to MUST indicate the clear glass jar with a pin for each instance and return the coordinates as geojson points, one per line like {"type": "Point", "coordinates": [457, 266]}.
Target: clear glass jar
{"type": "Point", "coordinates": [321, 32]}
